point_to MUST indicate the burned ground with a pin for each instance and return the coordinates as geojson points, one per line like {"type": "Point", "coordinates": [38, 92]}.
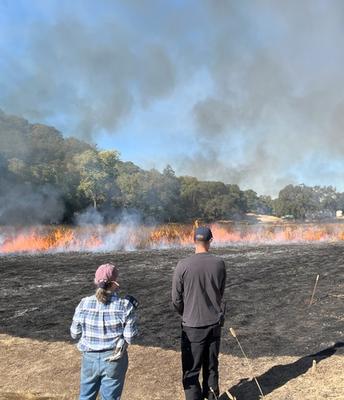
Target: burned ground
{"type": "Point", "coordinates": [268, 293]}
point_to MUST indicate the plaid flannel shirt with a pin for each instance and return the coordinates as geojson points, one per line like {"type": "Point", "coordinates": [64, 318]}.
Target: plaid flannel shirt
{"type": "Point", "coordinates": [99, 325]}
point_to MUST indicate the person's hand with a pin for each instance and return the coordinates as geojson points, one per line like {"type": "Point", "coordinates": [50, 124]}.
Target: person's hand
{"type": "Point", "coordinates": [119, 351]}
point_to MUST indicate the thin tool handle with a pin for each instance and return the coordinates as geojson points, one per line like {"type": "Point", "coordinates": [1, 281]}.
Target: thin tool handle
{"type": "Point", "coordinates": [250, 366]}
{"type": "Point", "coordinates": [314, 289]}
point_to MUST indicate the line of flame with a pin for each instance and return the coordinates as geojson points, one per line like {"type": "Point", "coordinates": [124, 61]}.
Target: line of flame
{"type": "Point", "coordinates": [114, 237]}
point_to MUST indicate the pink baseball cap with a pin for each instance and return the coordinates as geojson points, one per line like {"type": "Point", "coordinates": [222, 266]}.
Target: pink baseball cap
{"type": "Point", "coordinates": [106, 273]}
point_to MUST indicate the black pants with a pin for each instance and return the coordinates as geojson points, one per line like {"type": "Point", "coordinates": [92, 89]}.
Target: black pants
{"type": "Point", "coordinates": [200, 350]}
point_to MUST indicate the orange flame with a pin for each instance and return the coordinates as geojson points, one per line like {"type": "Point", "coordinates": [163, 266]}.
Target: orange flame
{"type": "Point", "coordinates": [36, 240]}
{"type": "Point", "coordinates": [119, 237]}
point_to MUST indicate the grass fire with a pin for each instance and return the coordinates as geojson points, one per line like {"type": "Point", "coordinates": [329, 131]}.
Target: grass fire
{"type": "Point", "coordinates": [100, 238]}
{"type": "Point", "coordinates": [171, 200]}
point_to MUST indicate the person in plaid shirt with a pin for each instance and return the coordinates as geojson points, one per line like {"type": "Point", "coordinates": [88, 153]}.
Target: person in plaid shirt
{"type": "Point", "coordinates": [105, 324]}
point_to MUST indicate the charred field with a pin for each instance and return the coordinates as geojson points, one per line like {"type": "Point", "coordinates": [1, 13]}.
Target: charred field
{"type": "Point", "coordinates": [268, 293]}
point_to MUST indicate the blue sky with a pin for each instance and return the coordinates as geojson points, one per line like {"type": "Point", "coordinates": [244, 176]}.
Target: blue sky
{"type": "Point", "coordinates": [245, 91]}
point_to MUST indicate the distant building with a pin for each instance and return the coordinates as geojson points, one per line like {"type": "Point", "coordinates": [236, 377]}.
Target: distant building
{"type": "Point", "coordinates": [288, 217]}
{"type": "Point", "coordinates": [339, 214]}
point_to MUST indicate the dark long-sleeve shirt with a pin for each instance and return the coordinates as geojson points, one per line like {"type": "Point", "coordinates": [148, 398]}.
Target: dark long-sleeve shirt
{"type": "Point", "coordinates": [197, 289]}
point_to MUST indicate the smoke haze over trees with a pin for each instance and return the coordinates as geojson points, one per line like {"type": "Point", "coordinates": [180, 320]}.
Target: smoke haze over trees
{"type": "Point", "coordinates": [252, 89]}
{"type": "Point", "coordinates": [46, 178]}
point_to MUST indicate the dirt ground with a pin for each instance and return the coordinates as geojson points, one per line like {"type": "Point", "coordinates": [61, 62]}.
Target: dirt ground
{"type": "Point", "coordinates": [268, 293]}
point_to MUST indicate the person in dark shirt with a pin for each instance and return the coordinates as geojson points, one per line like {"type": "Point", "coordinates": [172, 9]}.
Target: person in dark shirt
{"type": "Point", "coordinates": [197, 290]}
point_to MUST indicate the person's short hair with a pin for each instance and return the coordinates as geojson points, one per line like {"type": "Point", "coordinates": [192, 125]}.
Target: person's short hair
{"type": "Point", "coordinates": [203, 234]}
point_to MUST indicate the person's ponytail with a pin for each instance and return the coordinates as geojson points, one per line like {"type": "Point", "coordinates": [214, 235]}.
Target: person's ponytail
{"type": "Point", "coordinates": [102, 293]}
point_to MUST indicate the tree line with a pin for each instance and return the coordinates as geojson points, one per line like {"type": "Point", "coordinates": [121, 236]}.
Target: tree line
{"type": "Point", "coordinates": [47, 178]}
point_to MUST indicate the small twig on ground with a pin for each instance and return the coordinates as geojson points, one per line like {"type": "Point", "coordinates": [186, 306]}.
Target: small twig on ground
{"type": "Point", "coordinates": [337, 295]}
{"type": "Point", "coordinates": [314, 366]}
{"type": "Point", "coordinates": [314, 289]}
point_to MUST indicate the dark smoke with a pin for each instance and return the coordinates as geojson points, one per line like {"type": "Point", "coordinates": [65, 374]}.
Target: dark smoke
{"type": "Point", "coordinates": [90, 74]}
{"type": "Point", "coordinates": [275, 103]}
{"type": "Point", "coordinates": [21, 201]}
{"type": "Point", "coordinates": [277, 91]}
{"type": "Point", "coordinates": [25, 205]}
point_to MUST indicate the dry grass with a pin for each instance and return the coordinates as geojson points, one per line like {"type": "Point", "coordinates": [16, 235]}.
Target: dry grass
{"type": "Point", "coordinates": [264, 219]}
{"type": "Point", "coordinates": [34, 370]}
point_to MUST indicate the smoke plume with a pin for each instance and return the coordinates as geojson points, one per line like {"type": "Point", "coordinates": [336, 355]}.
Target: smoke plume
{"type": "Point", "coordinates": [23, 205]}
{"type": "Point", "coordinates": [272, 110]}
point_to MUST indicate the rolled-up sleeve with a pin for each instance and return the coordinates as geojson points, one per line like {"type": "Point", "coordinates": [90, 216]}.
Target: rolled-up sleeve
{"type": "Point", "coordinates": [130, 326]}
{"type": "Point", "coordinates": [76, 327]}
{"type": "Point", "coordinates": [177, 290]}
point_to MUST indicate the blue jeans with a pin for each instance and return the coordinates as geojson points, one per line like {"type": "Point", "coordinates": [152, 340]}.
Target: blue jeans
{"type": "Point", "coordinates": [105, 377]}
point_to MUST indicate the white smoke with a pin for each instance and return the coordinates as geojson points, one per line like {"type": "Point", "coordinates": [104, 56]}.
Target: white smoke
{"type": "Point", "coordinates": [125, 234]}
{"type": "Point", "coordinates": [120, 238]}
{"type": "Point", "coordinates": [90, 216]}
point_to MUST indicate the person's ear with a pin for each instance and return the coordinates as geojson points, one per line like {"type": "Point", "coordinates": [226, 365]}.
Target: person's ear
{"type": "Point", "coordinates": [114, 284]}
